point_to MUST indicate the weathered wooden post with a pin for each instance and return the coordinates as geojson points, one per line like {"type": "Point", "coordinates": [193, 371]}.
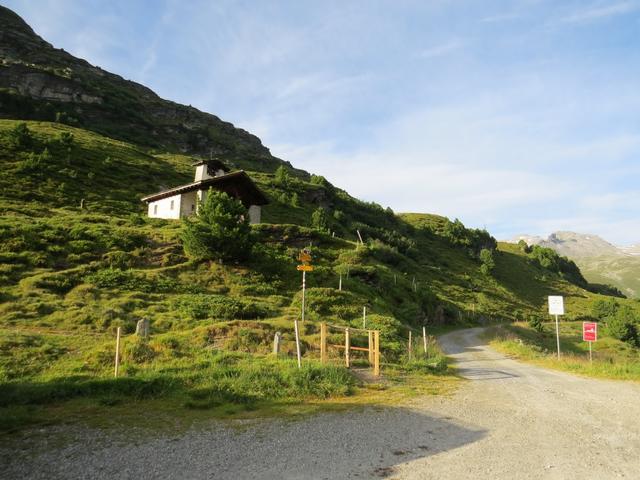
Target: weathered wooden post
{"type": "Point", "coordinates": [347, 348]}
{"type": "Point", "coordinates": [410, 345]}
{"type": "Point", "coordinates": [297, 332]}
{"type": "Point", "coordinates": [424, 338]}
{"type": "Point", "coordinates": [117, 352]}
{"type": "Point", "coordinates": [364, 317]}
{"type": "Point", "coordinates": [277, 339]}
{"type": "Point", "coordinates": [323, 342]}
{"type": "Point", "coordinates": [371, 349]}
{"type": "Point", "coordinates": [376, 355]}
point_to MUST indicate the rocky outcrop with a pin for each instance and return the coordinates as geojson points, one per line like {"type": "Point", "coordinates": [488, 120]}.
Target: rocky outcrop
{"type": "Point", "coordinates": [40, 82]}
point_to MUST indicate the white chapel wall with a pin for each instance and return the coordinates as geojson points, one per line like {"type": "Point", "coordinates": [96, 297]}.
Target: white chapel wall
{"type": "Point", "coordinates": [188, 204]}
{"type": "Point", "coordinates": [166, 208]}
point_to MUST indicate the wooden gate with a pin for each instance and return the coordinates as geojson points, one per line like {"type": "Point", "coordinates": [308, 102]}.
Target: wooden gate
{"type": "Point", "coordinates": [373, 349]}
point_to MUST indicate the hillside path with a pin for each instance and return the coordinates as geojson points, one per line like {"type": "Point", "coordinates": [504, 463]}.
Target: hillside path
{"type": "Point", "coordinates": [509, 421]}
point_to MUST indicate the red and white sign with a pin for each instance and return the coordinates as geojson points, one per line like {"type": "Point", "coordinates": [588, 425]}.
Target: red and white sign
{"type": "Point", "coordinates": [589, 331]}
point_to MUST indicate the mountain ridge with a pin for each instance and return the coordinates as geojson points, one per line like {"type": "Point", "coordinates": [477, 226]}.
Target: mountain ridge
{"type": "Point", "coordinates": [40, 82]}
{"type": "Point", "coordinates": [600, 261]}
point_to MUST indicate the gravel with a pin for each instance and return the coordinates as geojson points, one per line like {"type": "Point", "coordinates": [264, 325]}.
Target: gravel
{"type": "Point", "coordinates": [510, 421]}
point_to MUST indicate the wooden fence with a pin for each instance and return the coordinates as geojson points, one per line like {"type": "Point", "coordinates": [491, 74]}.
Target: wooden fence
{"type": "Point", "coordinates": [373, 350]}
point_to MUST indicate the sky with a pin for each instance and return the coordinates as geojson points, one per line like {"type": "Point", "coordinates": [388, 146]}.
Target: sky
{"type": "Point", "coordinates": [518, 116]}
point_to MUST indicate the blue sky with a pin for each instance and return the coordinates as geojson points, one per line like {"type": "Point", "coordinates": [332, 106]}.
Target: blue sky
{"type": "Point", "coordinates": [522, 116]}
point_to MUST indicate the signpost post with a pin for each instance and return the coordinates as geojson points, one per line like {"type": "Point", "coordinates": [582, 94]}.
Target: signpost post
{"type": "Point", "coordinates": [556, 307]}
{"type": "Point", "coordinates": [305, 258]}
{"type": "Point", "coordinates": [590, 334]}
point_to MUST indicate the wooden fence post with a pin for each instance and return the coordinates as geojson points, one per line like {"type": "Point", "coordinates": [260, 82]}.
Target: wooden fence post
{"type": "Point", "coordinates": [276, 343]}
{"type": "Point", "coordinates": [376, 353]}
{"type": "Point", "coordinates": [371, 349]}
{"type": "Point", "coordinates": [347, 348]}
{"type": "Point", "coordinates": [323, 342]}
{"type": "Point", "coordinates": [117, 352]}
{"type": "Point", "coordinates": [410, 346]}
{"type": "Point", "coordinates": [424, 338]}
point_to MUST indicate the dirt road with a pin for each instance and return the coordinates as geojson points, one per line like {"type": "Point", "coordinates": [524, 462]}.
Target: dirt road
{"type": "Point", "coordinates": [510, 421]}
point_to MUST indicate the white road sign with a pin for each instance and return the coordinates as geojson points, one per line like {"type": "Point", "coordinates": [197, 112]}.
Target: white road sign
{"type": "Point", "coordinates": [556, 305]}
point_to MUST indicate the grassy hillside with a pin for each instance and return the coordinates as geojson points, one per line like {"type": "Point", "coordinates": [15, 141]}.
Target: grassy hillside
{"type": "Point", "coordinates": [70, 276]}
{"type": "Point", "coordinates": [79, 258]}
{"type": "Point", "coordinates": [620, 271]}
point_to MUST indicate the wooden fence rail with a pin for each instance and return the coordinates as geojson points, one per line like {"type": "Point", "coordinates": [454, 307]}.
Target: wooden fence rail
{"type": "Point", "coordinates": [373, 350]}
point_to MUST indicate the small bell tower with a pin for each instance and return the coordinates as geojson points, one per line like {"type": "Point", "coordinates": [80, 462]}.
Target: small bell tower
{"type": "Point", "coordinates": [206, 169]}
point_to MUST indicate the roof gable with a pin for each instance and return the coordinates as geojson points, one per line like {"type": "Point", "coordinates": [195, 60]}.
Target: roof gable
{"type": "Point", "coordinates": [237, 184]}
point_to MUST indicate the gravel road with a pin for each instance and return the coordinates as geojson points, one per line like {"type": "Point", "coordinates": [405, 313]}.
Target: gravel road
{"type": "Point", "coordinates": [510, 421]}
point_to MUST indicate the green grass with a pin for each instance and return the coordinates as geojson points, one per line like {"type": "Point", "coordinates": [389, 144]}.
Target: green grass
{"type": "Point", "coordinates": [70, 277]}
{"type": "Point", "coordinates": [611, 358]}
{"type": "Point", "coordinates": [620, 271]}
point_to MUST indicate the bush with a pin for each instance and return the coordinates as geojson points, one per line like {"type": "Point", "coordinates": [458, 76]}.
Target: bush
{"type": "Point", "coordinates": [319, 219]}
{"type": "Point", "coordinates": [488, 263]}
{"type": "Point", "coordinates": [201, 306]}
{"type": "Point", "coordinates": [20, 136]}
{"type": "Point", "coordinates": [127, 280]}
{"type": "Point", "coordinates": [219, 231]}
{"type": "Point", "coordinates": [536, 323]}
{"type": "Point", "coordinates": [282, 176]}
{"type": "Point", "coordinates": [622, 325]}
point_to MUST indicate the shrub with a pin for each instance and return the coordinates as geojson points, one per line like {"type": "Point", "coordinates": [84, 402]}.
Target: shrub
{"type": "Point", "coordinates": [219, 231]}
{"type": "Point", "coordinates": [536, 323]}
{"type": "Point", "coordinates": [282, 176]}
{"type": "Point", "coordinates": [319, 219]}
{"type": "Point", "coordinates": [20, 136]}
{"type": "Point", "coordinates": [622, 325]}
{"type": "Point", "coordinates": [488, 263]}
{"type": "Point", "coordinates": [604, 309]}
{"type": "Point", "coordinates": [201, 306]}
{"type": "Point", "coordinates": [139, 351]}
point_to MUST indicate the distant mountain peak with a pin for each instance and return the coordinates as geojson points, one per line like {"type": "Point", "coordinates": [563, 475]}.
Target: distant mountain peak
{"type": "Point", "coordinates": [572, 244]}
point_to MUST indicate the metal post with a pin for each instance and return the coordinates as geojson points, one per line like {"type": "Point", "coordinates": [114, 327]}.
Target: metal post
{"type": "Point", "coordinates": [364, 317]}
{"type": "Point", "coordinates": [340, 283]}
{"type": "Point", "coordinates": [558, 336]}
{"type": "Point", "coordinates": [590, 353]}
{"type": "Point", "coordinates": [410, 345]}
{"type": "Point", "coordinates": [304, 287]}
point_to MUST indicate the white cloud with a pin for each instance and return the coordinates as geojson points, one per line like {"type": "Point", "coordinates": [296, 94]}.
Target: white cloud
{"type": "Point", "coordinates": [504, 17]}
{"type": "Point", "coordinates": [599, 12]}
{"type": "Point", "coordinates": [441, 49]}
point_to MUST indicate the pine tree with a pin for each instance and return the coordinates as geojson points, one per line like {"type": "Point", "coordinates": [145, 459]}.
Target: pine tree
{"type": "Point", "coordinates": [219, 231]}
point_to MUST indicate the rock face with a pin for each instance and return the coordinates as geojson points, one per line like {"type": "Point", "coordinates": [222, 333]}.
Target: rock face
{"type": "Point", "coordinates": [40, 82]}
{"type": "Point", "coordinates": [143, 328]}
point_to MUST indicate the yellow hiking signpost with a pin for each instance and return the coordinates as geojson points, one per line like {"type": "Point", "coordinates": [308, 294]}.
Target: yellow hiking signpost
{"type": "Point", "coordinates": [305, 258]}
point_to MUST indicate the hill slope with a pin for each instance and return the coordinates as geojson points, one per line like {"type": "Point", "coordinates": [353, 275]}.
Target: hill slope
{"type": "Point", "coordinates": [600, 261]}
{"type": "Point", "coordinates": [71, 275]}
